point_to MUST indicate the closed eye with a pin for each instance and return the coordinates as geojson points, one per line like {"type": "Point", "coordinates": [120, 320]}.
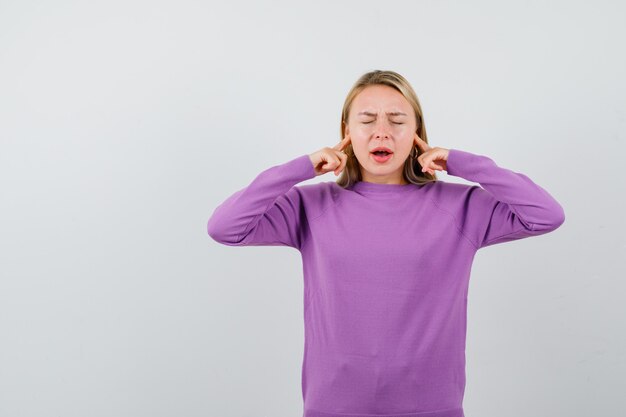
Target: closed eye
{"type": "Point", "coordinates": [395, 123]}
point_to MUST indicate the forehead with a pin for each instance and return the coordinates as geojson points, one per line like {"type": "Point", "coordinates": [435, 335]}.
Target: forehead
{"type": "Point", "coordinates": [380, 99]}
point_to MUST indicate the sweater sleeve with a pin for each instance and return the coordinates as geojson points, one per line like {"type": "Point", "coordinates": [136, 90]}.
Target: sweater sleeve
{"type": "Point", "coordinates": [509, 205]}
{"type": "Point", "coordinates": [267, 212]}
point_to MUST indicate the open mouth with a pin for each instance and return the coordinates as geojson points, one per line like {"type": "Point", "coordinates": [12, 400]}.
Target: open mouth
{"type": "Point", "coordinates": [381, 156]}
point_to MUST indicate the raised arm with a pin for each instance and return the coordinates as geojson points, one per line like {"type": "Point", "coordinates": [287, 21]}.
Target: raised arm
{"type": "Point", "coordinates": [509, 205]}
{"type": "Point", "coordinates": [268, 211]}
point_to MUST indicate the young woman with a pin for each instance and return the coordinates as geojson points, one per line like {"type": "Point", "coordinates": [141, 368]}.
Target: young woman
{"type": "Point", "coordinates": [387, 251]}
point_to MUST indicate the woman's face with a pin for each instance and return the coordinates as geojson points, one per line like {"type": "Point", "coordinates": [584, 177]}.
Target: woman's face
{"type": "Point", "coordinates": [381, 116]}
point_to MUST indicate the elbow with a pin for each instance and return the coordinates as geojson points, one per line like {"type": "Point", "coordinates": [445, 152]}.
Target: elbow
{"type": "Point", "coordinates": [554, 219]}
{"type": "Point", "coordinates": [558, 216]}
{"type": "Point", "coordinates": [217, 226]}
{"type": "Point", "coordinates": [221, 234]}
{"type": "Point", "coordinates": [212, 231]}
{"type": "Point", "coordinates": [215, 231]}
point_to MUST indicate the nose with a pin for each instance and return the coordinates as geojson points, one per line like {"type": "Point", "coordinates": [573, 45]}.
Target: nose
{"type": "Point", "coordinates": [381, 134]}
{"type": "Point", "coordinates": [381, 131]}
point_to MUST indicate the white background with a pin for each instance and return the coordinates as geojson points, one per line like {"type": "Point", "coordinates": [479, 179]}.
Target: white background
{"type": "Point", "coordinates": [123, 124]}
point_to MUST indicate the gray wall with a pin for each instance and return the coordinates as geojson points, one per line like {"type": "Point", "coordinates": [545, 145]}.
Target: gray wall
{"type": "Point", "coordinates": [124, 124]}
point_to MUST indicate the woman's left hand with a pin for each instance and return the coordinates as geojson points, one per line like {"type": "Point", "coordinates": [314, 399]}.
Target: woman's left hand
{"type": "Point", "coordinates": [431, 159]}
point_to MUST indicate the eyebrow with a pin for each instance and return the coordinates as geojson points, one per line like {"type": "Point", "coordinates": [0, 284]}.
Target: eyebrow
{"type": "Point", "coordinates": [389, 113]}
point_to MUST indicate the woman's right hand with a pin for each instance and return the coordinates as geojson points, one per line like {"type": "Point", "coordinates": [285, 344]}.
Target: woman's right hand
{"type": "Point", "coordinates": [330, 159]}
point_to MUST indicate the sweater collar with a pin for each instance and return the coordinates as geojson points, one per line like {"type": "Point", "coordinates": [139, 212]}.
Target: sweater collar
{"type": "Point", "coordinates": [379, 188]}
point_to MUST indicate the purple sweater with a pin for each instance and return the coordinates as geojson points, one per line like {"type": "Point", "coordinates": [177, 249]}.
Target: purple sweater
{"type": "Point", "coordinates": [386, 270]}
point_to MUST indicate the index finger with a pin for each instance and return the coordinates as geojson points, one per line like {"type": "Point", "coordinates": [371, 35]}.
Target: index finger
{"type": "Point", "coordinates": [341, 145]}
{"type": "Point", "coordinates": [422, 145]}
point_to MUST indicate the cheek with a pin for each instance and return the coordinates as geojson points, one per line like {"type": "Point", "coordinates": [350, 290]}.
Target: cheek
{"type": "Point", "coordinates": [360, 149]}
{"type": "Point", "coordinates": [362, 130]}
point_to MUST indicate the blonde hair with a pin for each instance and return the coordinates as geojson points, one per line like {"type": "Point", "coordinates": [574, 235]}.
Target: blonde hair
{"type": "Point", "coordinates": [412, 171]}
